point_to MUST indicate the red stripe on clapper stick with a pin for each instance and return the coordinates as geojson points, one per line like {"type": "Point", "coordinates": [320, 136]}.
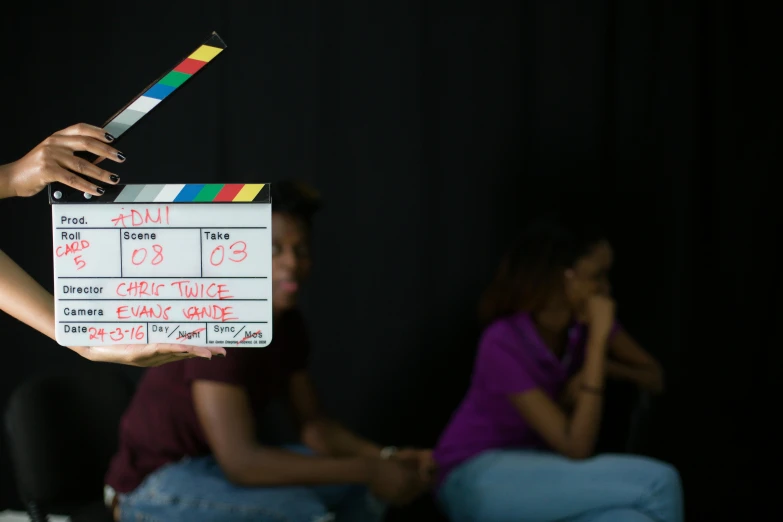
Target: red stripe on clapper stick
{"type": "Point", "coordinates": [229, 192]}
{"type": "Point", "coordinates": [189, 66]}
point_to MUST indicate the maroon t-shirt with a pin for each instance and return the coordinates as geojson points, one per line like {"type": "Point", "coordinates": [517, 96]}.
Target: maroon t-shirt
{"type": "Point", "coordinates": [160, 426]}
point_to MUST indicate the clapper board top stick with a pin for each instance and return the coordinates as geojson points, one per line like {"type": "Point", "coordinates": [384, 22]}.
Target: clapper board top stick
{"type": "Point", "coordinates": [161, 89]}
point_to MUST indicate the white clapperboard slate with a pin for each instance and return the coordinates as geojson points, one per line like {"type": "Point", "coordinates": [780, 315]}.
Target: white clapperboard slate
{"type": "Point", "coordinates": [173, 263]}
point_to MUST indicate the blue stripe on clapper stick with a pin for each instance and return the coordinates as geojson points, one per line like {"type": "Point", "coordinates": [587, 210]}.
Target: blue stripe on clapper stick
{"type": "Point", "coordinates": [188, 193]}
{"type": "Point", "coordinates": [159, 91]}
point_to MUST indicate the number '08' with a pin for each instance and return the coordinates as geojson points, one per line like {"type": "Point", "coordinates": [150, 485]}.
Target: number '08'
{"type": "Point", "coordinates": [140, 255]}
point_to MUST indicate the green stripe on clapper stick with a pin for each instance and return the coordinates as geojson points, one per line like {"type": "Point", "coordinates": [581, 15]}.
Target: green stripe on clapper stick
{"type": "Point", "coordinates": [174, 79]}
{"type": "Point", "coordinates": [208, 193]}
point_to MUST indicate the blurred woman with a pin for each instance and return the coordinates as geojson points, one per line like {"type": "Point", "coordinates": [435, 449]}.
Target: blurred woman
{"type": "Point", "coordinates": [189, 449]}
{"type": "Point", "coordinates": [512, 450]}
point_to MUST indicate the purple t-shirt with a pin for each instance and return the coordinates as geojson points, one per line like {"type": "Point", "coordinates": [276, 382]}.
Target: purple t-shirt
{"type": "Point", "coordinates": [512, 358]}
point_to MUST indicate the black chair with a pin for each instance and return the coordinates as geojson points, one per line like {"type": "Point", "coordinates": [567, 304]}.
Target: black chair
{"type": "Point", "coordinates": [626, 419]}
{"type": "Point", "coordinates": [62, 431]}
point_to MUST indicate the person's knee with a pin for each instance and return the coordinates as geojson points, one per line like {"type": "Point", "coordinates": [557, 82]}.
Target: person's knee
{"type": "Point", "coordinates": [646, 472]}
{"type": "Point", "coordinates": [665, 475]}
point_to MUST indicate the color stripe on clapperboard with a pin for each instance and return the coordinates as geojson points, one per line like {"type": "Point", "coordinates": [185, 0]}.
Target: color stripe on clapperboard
{"type": "Point", "coordinates": [168, 83]}
{"type": "Point", "coordinates": [191, 193]}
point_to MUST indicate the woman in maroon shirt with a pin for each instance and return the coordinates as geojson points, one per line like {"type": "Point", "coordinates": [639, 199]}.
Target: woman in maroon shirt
{"type": "Point", "coordinates": [188, 446]}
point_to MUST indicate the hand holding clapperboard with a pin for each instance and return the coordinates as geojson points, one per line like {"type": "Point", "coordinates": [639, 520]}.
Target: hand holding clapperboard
{"type": "Point", "coordinates": [145, 274]}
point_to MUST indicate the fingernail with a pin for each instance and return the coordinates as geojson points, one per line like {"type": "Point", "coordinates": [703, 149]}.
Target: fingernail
{"type": "Point", "coordinates": [121, 156]}
{"type": "Point", "coordinates": [109, 137]}
{"type": "Point", "coordinates": [114, 177]}
{"type": "Point", "coordinates": [100, 190]}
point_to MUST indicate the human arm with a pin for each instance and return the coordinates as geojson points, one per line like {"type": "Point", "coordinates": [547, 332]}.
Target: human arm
{"type": "Point", "coordinates": [574, 434]}
{"type": "Point", "coordinates": [626, 360]}
{"type": "Point", "coordinates": [24, 299]}
{"type": "Point", "coordinates": [225, 413]}
{"type": "Point", "coordinates": [226, 416]}
{"type": "Point", "coordinates": [328, 437]}
{"type": "Point", "coordinates": [629, 361]}
{"type": "Point", "coordinates": [319, 432]}
{"type": "Point", "coordinates": [53, 160]}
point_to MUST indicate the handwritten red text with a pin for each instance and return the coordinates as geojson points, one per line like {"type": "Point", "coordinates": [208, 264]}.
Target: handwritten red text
{"type": "Point", "coordinates": [139, 289]}
{"type": "Point", "coordinates": [140, 255]}
{"type": "Point", "coordinates": [238, 253]}
{"type": "Point", "coordinates": [193, 290]}
{"type": "Point", "coordinates": [153, 311]}
{"type": "Point", "coordinates": [118, 334]}
{"type": "Point", "coordinates": [136, 218]}
{"type": "Point", "coordinates": [214, 312]}
{"type": "Point", "coordinates": [71, 248]}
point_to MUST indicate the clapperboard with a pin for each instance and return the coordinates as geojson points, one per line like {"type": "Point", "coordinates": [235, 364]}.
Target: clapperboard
{"type": "Point", "coordinates": [163, 263]}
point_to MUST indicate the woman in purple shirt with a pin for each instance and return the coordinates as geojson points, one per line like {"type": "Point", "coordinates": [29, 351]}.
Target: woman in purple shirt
{"type": "Point", "coordinates": [520, 446]}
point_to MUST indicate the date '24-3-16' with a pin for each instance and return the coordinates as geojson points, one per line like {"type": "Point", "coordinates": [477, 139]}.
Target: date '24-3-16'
{"type": "Point", "coordinates": [118, 334]}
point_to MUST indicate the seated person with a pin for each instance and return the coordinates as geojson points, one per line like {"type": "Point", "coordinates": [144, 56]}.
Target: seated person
{"type": "Point", "coordinates": [510, 451]}
{"type": "Point", "coordinates": [188, 441]}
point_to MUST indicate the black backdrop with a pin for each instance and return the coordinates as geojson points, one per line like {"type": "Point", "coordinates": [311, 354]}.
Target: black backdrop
{"type": "Point", "coordinates": [433, 129]}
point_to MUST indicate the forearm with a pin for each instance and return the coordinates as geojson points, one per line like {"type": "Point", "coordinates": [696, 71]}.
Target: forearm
{"type": "Point", "coordinates": [628, 372]}
{"type": "Point", "coordinates": [6, 190]}
{"type": "Point", "coordinates": [263, 466]}
{"type": "Point", "coordinates": [23, 298]}
{"type": "Point", "coordinates": [586, 416]}
{"type": "Point", "coordinates": [646, 376]}
{"type": "Point", "coordinates": [328, 437]}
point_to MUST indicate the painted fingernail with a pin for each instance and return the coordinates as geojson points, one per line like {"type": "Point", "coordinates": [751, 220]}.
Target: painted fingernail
{"type": "Point", "coordinates": [100, 190]}
{"type": "Point", "coordinates": [121, 156]}
{"type": "Point", "coordinates": [114, 177]}
{"type": "Point", "coordinates": [109, 137]}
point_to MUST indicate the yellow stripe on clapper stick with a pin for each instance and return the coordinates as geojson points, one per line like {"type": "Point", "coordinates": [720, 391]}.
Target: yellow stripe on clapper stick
{"type": "Point", "coordinates": [248, 192]}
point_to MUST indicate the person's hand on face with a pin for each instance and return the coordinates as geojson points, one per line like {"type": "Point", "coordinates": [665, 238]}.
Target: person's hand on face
{"type": "Point", "coordinates": [600, 314]}
{"type": "Point", "coordinates": [147, 355]}
{"type": "Point", "coordinates": [588, 278]}
{"type": "Point", "coordinates": [53, 160]}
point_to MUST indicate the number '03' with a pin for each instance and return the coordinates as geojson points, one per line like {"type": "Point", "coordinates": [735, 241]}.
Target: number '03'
{"type": "Point", "coordinates": [238, 253]}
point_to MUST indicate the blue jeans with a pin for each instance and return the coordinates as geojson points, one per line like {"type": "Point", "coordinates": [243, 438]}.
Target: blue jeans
{"type": "Point", "coordinates": [536, 486]}
{"type": "Point", "coordinates": [196, 490]}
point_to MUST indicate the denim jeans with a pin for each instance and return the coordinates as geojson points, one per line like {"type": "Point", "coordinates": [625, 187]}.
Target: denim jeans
{"type": "Point", "coordinates": [196, 490]}
{"type": "Point", "coordinates": [536, 486]}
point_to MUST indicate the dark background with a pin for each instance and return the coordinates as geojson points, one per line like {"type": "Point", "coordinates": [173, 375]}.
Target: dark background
{"type": "Point", "coordinates": [434, 130]}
